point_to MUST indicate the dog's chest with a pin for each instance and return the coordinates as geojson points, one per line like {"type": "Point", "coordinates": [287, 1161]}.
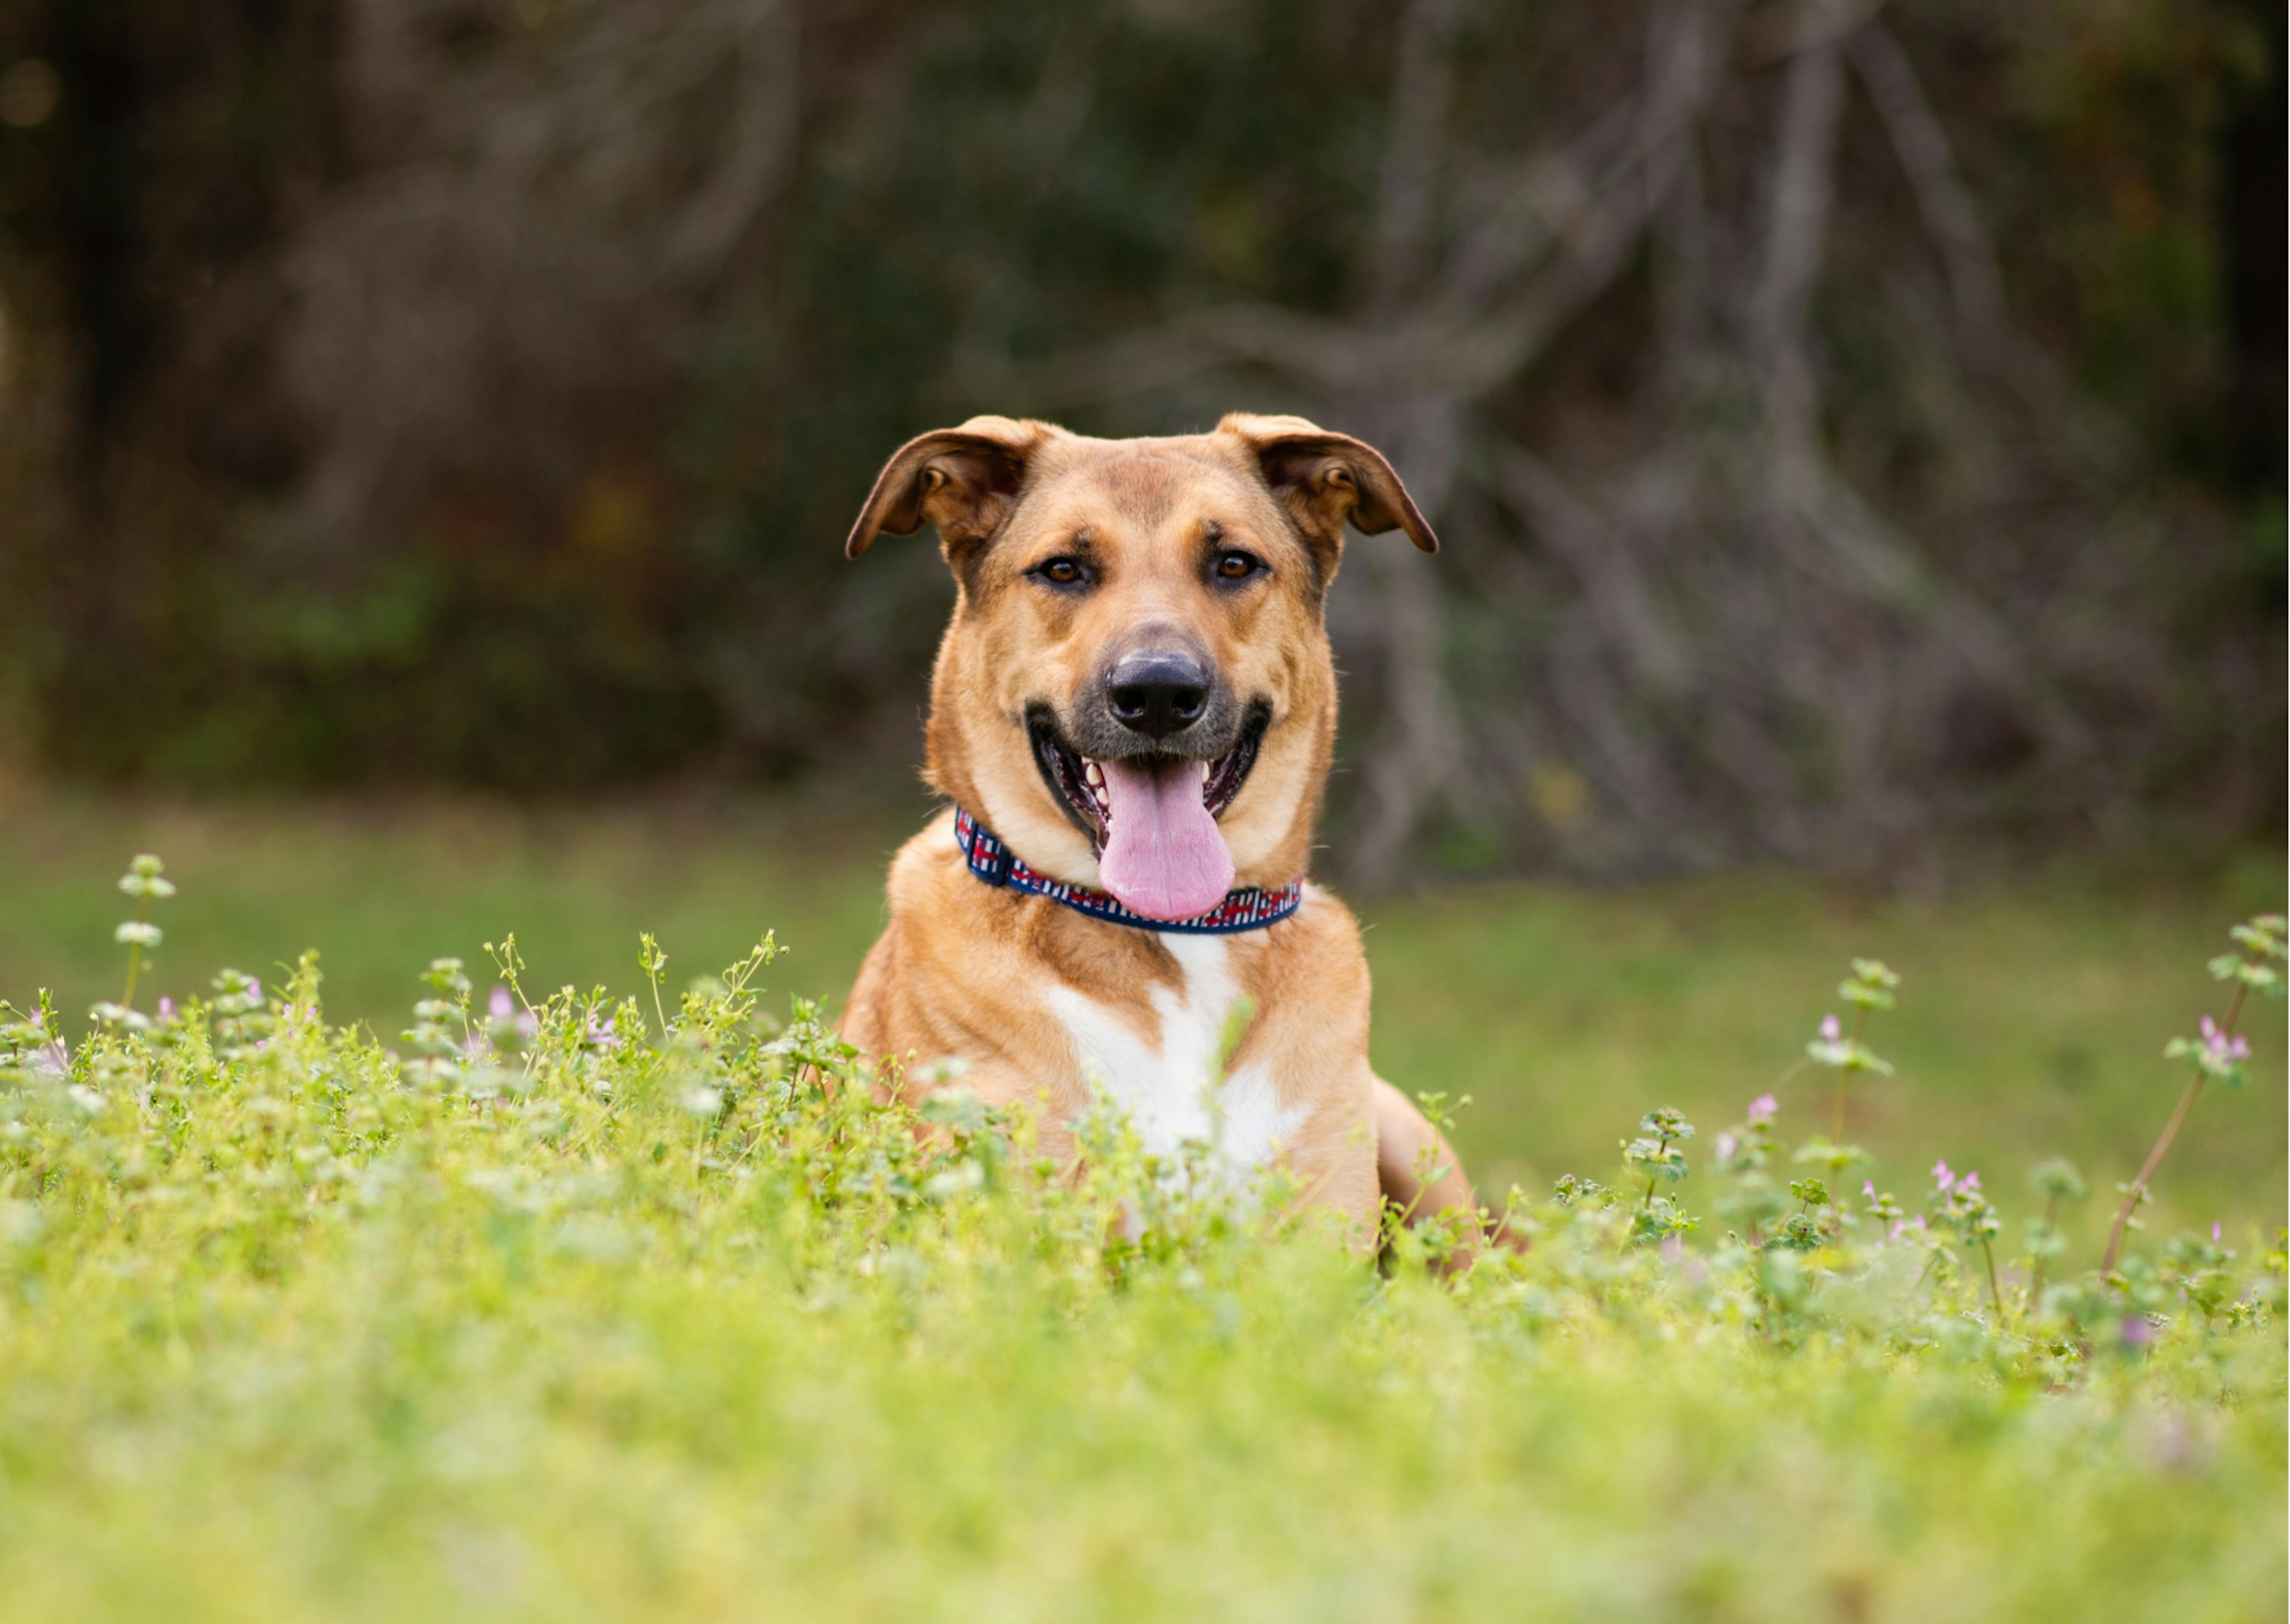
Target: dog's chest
{"type": "Point", "coordinates": [1172, 1085]}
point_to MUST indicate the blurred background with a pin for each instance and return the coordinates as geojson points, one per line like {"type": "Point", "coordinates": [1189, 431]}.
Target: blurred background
{"type": "Point", "coordinates": [1857, 431]}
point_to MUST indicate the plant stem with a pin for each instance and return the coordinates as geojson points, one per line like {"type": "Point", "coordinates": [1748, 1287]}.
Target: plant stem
{"type": "Point", "coordinates": [2035, 1263]}
{"type": "Point", "coordinates": [2170, 1131]}
{"type": "Point", "coordinates": [135, 954]}
{"type": "Point", "coordinates": [1844, 1075]}
{"type": "Point", "coordinates": [1647, 1200]}
{"type": "Point", "coordinates": [1994, 1295]}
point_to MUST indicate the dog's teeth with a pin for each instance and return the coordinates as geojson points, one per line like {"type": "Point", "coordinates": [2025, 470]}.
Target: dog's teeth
{"type": "Point", "coordinates": [1091, 771]}
{"type": "Point", "coordinates": [1203, 766]}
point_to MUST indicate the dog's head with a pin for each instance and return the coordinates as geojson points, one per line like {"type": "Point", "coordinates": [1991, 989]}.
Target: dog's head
{"type": "Point", "coordinates": [1136, 690]}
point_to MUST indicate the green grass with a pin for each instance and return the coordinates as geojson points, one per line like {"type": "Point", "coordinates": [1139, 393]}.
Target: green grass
{"type": "Point", "coordinates": [672, 1332]}
{"type": "Point", "coordinates": [2031, 1023]}
{"type": "Point", "coordinates": [689, 1329]}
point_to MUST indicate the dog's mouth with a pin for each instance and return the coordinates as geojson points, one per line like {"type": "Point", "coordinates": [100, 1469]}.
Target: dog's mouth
{"type": "Point", "coordinates": [1081, 784]}
{"type": "Point", "coordinates": [1151, 817]}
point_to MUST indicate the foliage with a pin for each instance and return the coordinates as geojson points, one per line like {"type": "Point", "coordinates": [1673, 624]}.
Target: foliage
{"type": "Point", "coordinates": [1825, 413]}
{"type": "Point", "coordinates": [577, 1305]}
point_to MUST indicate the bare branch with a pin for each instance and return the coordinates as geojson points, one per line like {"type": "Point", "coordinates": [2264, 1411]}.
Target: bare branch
{"type": "Point", "coordinates": [1798, 200]}
{"type": "Point", "coordinates": [1585, 541]}
{"type": "Point", "coordinates": [1923, 148]}
{"type": "Point", "coordinates": [1421, 85]}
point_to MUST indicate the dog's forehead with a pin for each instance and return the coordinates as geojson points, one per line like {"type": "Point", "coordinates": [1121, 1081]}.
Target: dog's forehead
{"type": "Point", "coordinates": [1145, 484]}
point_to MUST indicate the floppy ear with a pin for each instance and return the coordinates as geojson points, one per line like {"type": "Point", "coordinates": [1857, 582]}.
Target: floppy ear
{"type": "Point", "coordinates": [962, 480]}
{"type": "Point", "coordinates": [1324, 478]}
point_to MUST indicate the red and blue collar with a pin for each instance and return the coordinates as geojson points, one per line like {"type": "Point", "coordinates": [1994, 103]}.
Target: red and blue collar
{"type": "Point", "coordinates": [1249, 909]}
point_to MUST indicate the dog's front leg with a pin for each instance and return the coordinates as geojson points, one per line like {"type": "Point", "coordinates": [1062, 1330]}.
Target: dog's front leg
{"type": "Point", "coordinates": [1419, 1171]}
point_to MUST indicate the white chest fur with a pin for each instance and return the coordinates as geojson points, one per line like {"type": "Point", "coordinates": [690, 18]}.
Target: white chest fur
{"type": "Point", "coordinates": [1171, 1089]}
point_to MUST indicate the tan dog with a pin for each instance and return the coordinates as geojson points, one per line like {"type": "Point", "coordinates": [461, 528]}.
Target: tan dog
{"type": "Point", "coordinates": [1136, 701]}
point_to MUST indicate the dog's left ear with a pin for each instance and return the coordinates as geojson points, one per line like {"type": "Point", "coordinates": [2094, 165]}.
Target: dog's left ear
{"type": "Point", "coordinates": [1324, 478]}
{"type": "Point", "coordinates": [962, 480]}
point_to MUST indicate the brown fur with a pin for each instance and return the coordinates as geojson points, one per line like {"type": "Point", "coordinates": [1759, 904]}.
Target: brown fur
{"type": "Point", "coordinates": [968, 972]}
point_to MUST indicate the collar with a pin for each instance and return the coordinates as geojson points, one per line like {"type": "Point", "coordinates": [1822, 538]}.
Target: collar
{"type": "Point", "coordinates": [1251, 907]}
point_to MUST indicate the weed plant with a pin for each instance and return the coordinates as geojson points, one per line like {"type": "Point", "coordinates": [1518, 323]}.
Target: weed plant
{"type": "Point", "coordinates": [579, 1306]}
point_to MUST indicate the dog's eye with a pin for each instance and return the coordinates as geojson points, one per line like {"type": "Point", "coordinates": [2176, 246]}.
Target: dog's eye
{"type": "Point", "coordinates": [1238, 565]}
{"type": "Point", "coordinates": [1062, 571]}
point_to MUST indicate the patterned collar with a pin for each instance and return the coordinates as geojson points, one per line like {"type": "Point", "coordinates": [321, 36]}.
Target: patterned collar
{"type": "Point", "coordinates": [1249, 909]}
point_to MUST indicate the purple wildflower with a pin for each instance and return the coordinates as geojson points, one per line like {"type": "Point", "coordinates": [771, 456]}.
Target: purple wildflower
{"type": "Point", "coordinates": [1762, 1108]}
{"type": "Point", "coordinates": [1726, 1146]}
{"type": "Point", "coordinates": [1869, 1188]}
{"type": "Point", "coordinates": [2220, 1046]}
{"type": "Point", "coordinates": [1970, 1181]}
{"type": "Point", "coordinates": [1831, 1029]}
{"type": "Point", "coordinates": [51, 1057]}
{"type": "Point", "coordinates": [501, 1006]}
{"type": "Point", "coordinates": [1943, 1177]}
{"type": "Point", "coordinates": [2137, 1332]}
{"type": "Point", "coordinates": [167, 1008]}
{"type": "Point", "coordinates": [2214, 1232]}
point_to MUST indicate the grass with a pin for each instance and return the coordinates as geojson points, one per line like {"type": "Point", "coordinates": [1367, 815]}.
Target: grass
{"type": "Point", "coordinates": [2032, 1020]}
{"type": "Point", "coordinates": [627, 1314]}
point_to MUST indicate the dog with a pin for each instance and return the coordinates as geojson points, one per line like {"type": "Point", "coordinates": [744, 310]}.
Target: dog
{"type": "Point", "coordinates": [1133, 715]}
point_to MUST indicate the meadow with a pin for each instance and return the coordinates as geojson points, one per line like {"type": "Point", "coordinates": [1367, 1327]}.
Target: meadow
{"type": "Point", "coordinates": [353, 1287]}
{"type": "Point", "coordinates": [2032, 1022]}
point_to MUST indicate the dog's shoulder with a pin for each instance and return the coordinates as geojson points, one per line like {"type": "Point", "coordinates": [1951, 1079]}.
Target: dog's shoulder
{"type": "Point", "coordinates": [1320, 942]}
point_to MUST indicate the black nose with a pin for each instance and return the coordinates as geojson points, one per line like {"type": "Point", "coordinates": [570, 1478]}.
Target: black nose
{"type": "Point", "coordinates": [1157, 692]}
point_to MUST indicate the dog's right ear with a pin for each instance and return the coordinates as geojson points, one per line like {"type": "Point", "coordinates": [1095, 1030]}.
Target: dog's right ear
{"type": "Point", "coordinates": [962, 480]}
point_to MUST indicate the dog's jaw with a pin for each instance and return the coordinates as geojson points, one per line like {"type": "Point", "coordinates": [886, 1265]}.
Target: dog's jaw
{"type": "Point", "coordinates": [1077, 783]}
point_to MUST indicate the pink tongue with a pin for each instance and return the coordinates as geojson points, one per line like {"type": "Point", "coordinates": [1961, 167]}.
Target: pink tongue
{"type": "Point", "coordinates": [1164, 856]}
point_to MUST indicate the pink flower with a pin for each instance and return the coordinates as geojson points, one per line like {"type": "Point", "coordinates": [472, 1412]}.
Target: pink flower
{"type": "Point", "coordinates": [1762, 1108]}
{"type": "Point", "coordinates": [2214, 1233]}
{"type": "Point", "coordinates": [2221, 1046]}
{"type": "Point", "coordinates": [1831, 1029]}
{"type": "Point", "coordinates": [1943, 1177]}
{"type": "Point", "coordinates": [167, 1008]}
{"type": "Point", "coordinates": [1726, 1146]}
{"type": "Point", "coordinates": [1970, 1181]}
{"type": "Point", "coordinates": [1869, 1188]}
{"type": "Point", "coordinates": [51, 1057]}
{"type": "Point", "coordinates": [2137, 1332]}
{"type": "Point", "coordinates": [501, 1006]}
